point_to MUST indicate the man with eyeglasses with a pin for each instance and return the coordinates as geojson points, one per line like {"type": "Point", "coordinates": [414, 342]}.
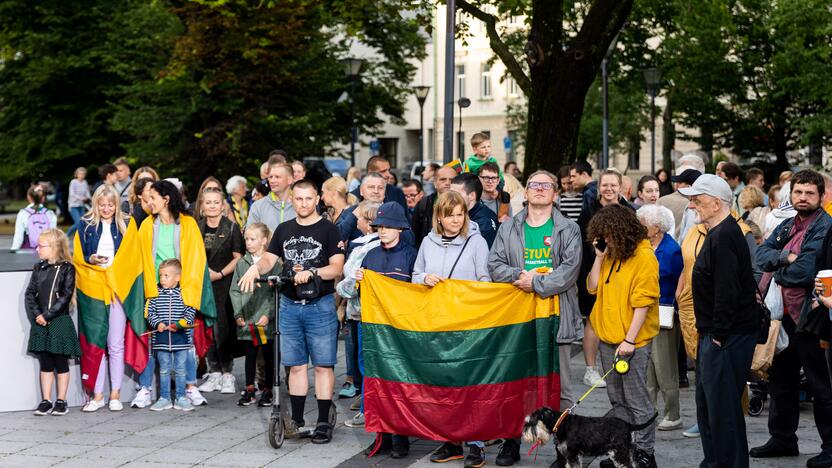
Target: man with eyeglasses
{"type": "Point", "coordinates": [536, 239]}
{"type": "Point", "coordinates": [495, 199]}
{"type": "Point", "coordinates": [413, 194]}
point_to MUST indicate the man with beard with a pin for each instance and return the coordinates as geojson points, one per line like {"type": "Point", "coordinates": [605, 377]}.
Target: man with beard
{"type": "Point", "coordinates": [789, 255]}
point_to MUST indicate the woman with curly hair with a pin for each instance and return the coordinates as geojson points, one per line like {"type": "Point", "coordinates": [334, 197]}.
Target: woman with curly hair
{"type": "Point", "coordinates": [625, 280]}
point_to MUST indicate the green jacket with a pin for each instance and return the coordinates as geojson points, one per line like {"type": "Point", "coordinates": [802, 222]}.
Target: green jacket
{"type": "Point", "coordinates": [252, 306]}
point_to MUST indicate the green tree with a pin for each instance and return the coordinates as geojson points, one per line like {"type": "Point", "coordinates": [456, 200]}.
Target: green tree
{"type": "Point", "coordinates": [54, 84]}
{"type": "Point", "coordinates": [564, 47]}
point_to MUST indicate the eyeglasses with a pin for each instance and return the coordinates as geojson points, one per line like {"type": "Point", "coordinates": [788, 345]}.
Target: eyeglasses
{"type": "Point", "coordinates": [490, 178]}
{"type": "Point", "coordinates": [411, 195]}
{"type": "Point", "coordinates": [541, 186]}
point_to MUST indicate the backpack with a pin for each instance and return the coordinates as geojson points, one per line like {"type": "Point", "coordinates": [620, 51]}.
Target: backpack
{"type": "Point", "coordinates": [38, 222]}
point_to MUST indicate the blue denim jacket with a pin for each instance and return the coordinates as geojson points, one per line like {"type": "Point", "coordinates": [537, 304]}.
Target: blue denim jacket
{"type": "Point", "coordinates": [90, 235]}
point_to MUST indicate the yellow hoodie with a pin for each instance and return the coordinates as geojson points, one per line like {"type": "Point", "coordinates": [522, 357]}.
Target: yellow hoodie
{"type": "Point", "coordinates": [622, 287]}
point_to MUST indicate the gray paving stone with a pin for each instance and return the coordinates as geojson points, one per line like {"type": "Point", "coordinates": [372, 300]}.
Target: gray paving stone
{"type": "Point", "coordinates": [175, 454]}
{"type": "Point", "coordinates": [92, 438]}
{"type": "Point", "coordinates": [119, 455]}
{"type": "Point", "coordinates": [33, 435]}
{"type": "Point", "coordinates": [49, 449]}
{"type": "Point", "coordinates": [247, 460]}
{"type": "Point", "coordinates": [12, 446]}
{"type": "Point", "coordinates": [28, 461]}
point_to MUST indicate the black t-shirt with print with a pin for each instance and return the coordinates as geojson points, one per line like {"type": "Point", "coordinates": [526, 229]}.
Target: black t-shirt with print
{"type": "Point", "coordinates": [307, 246]}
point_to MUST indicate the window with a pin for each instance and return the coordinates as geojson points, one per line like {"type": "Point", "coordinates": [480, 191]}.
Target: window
{"type": "Point", "coordinates": [485, 86]}
{"type": "Point", "coordinates": [513, 89]}
{"type": "Point", "coordinates": [460, 81]}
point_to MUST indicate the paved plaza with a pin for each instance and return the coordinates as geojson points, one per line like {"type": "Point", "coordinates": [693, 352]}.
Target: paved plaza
{"type": "Point", "coordinates": [223, 434]}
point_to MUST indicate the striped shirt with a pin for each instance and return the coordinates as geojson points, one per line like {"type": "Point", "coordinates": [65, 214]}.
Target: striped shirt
{"type": "Point", "coordinates": [168, 308]}
{"type": "Point", "coordinates": [570, 205]}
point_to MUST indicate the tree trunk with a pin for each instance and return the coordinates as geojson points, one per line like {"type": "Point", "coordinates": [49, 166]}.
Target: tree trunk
{"type": "Point", "coordinates": [561, 78]}
{"type": "Point", "coordinates": [668, 135]}
{"type": "Point", "coordinates": [706, 141]}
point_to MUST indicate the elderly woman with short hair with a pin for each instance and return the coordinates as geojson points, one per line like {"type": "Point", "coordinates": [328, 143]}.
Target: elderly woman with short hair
{"type": "Point", "coordinates": [663, 371]}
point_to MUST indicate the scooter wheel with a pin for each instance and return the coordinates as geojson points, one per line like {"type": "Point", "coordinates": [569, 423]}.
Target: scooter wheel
{"type": "Point", "coordinates": [276, 431]}
{"type": "Point", "coordinates": [755, 406]}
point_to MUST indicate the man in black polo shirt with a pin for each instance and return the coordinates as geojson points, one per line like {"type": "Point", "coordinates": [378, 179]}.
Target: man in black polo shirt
{"type": "Point", "coordinates": [728, 320]}
{"type": "Point", "coordinates": [312, 248]}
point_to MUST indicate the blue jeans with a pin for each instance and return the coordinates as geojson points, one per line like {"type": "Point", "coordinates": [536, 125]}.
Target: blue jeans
{"type": "Point", "coordinates": [308, 330]}
{"type": "Point", "coordinates": [172, 361]}
{"type": "Point", "coordinates": [146, 377]}
{"type": "Point", "coordinates": [76, 212]}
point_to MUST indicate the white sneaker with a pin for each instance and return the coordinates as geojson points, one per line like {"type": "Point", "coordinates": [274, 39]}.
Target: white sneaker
{"type": "Point", "coordinates": [356, 421]}
{"type": "Point", "coordinates": [142, 398]}
{"type": "Point", "coordinates": [668, 425]}
{"type": "Point", "coordinates": [195, 397]}
{"type": "Point", "coordinates": [116, 405]}
{"type": "Point", "coordinates": [228, 384]}
{"type": "Point", "coordinates": [592, 377]}
{"type": "Point", "coordinates": [211, 383]}
{"type": "Point", "coordinates": [93, 406]}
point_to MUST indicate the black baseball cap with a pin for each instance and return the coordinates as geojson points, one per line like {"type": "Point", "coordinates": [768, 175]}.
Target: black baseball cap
{"type": "Point", "coordinates": [687, 177]}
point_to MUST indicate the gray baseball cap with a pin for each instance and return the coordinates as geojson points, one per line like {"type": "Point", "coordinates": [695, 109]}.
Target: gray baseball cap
{"type": "Point", "coordinates": [709, 184]}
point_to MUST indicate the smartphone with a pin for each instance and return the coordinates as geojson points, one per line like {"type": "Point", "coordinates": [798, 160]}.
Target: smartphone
{"type": "Point", "coordinates": [600, 244]}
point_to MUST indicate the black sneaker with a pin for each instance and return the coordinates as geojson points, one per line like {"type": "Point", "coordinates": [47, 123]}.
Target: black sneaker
{"type": "Point", "coordinates": [447, 452]}
{"type": "Point", "coordinates": [475, 457]}
{"type": "Point", "coordinates": [266, 398]}
{"type": "Point", "coordinates": [643, 459]}
{"type": "Point", "coordinates": [247, 397]}
{"type": "Point", "coordinates": [60, 408]}
{"type": "Point", "coordinates": [380, 446]}
{"type": "Point", "coordinates": [773, 449]}
{"type": "Point", "coordinates": [509, 453]}
{"type": "Point", "coordinates": [44, 408]}
{"type": "Point", "coordinates": [823, 460]}
{"type": "Point", "coordinates": [401, 447]}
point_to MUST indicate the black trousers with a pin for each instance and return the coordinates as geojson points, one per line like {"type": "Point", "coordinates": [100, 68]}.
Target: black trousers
{"type": "Point", "coordinates": [358, 378]}
{"type": "Point", "coordinates": [50, 362]}
{"type": "Point", "coordinates": [721, 375]}
{"type": "Point", "coordinates": [251, 362]}
{"type": "Point", "coordinates": [784, 382]}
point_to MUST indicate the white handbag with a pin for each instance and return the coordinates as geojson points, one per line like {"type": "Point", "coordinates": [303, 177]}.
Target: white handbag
{"type": "Point", "coordinates": [666, 316]}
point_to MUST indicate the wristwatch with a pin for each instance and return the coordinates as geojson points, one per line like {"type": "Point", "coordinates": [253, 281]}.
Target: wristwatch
{"type": "Point", "coordinates": [314, 271]}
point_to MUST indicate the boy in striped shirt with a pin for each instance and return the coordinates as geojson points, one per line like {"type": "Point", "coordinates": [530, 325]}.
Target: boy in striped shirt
{"type": "Point", "coordinates": [171, 320]}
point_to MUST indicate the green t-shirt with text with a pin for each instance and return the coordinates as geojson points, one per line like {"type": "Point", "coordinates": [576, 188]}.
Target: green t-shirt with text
{"type": "Point", "coordinates": [538, 241]}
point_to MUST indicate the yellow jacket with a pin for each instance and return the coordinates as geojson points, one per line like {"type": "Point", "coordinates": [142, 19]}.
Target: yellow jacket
{"type": "Point", "coordinates": [622, 287]}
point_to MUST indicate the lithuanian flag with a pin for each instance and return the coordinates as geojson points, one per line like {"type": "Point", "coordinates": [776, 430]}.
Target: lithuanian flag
{"type": "Point", "coordinates": [258, 334]}
{"type": "Point", "coordinates": [96, 289]}
{"type": "Point", "coordinates": [456, 165]}
{"type": "Point", "coordinates": [461, 361]}
{"type": "Point", "coordinates": [195, 282]}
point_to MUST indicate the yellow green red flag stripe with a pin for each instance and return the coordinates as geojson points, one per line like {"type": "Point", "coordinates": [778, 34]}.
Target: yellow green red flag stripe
{"type": "Point", "coordinates": [461, 361]}
{"type": "Point", "coordinates": [97, 287]}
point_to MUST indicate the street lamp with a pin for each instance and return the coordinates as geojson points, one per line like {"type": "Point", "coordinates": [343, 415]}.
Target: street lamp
{"type": "Point", "coordinates": [463, 103]}
{"type": "Point", "coordinates": [352, 67]}
{"type": "Point", "coordinates": [421, 93]}
{"type": "Point", "coordinates": [652, 79]}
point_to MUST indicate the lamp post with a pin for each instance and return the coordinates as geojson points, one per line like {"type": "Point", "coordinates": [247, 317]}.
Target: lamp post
{"type": "Point", "coordinates": [450, 67]}
{"type": "Point", "coordinates": [463, 103]}
{"type": "Point", "coordinates": [421, 93]}
{"type": "Point", "coordinates": [652, 79]}
{"type": "Point", "coordinates": [352, 67]}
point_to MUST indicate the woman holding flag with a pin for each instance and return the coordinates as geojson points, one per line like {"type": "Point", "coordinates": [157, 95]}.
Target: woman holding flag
{"type": "Point", "coordinates": [110, 294]}
{"type": "Point", "coordinates": [170, 233]}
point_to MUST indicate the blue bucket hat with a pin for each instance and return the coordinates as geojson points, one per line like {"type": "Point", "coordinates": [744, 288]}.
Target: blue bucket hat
{"type": "Point", "coordinates": [391, 215]}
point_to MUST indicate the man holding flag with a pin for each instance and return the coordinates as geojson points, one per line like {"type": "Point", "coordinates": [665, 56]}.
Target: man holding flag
{"type": "Point", "coordinates": [539, 251]}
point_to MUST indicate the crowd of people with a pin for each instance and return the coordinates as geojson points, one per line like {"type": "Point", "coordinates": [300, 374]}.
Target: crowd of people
{"type": "Point", "coordinates": [671, 274]}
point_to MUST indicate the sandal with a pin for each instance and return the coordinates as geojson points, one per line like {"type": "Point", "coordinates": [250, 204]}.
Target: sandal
{"type": "Point", "coordinates": [322, 434]}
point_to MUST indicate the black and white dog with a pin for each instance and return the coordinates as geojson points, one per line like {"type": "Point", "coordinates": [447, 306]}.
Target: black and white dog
{"type": "Point", "coordinates": [580, 436]}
